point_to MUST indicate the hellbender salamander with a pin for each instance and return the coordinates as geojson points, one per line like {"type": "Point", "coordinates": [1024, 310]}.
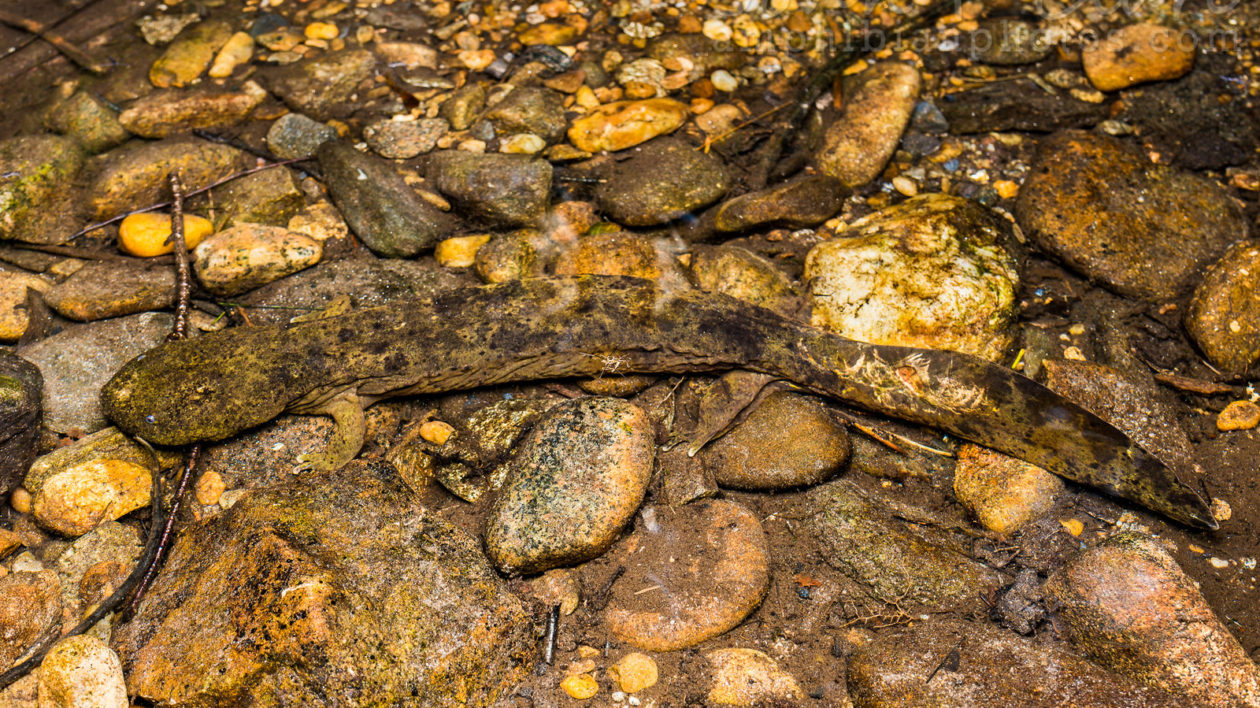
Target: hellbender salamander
{"type": "Point", "coordinates": [220, 384]}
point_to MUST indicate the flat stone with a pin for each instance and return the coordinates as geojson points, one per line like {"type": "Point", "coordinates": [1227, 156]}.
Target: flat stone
{"type": "Point", "coordinates": [1019, 104]}
{"type": "Point", "coordinates": [82, 672]}
{"type": "Point", "coordinates": [575, 483]}
{"type": "Point", "coordinates": [708, 565]}
{"type": "Point", "coordinates": [1138, 53]}
{"type": "Point", "coordinates": [1130, 608]}
{"type": "Point", "coordinates": [37, 199]}
{"type": "Point", "coordinates": [323, 87]}
{"type": "Point", "coordinates": [993, 668]}
{"type": "Point", "coordinates": [743, 275]}
{"type": "Point", "coordinates": [30, 611]}
{"type": "Point", "coordinates": [1239, 415]}
{"type": "Point", "coordinates": [102, 289]}
{"type": "Point", "coordinates": [860, 540]}
{"type": "Point", "coordinates": [408, 55]}
{"type": "Point", "coordinates": [788, 440]}
{"type": "Point", "coordinates": [528, 109]}
{"type": "Point", "coordinates": [624, 124]}
{"type": "Point", "coordinates": [269, 197]}
{"type": "Point", "coordinates": [189, 54]}
{"type": "Point", "coordinates": [166, 112]}
{"type": "Point", "coordinates": [1140, 229]}
{"type": "Point", "coordinates": [87, 120]}
{"type": "Point", "coordinates": [662, 181]}
{"type": "Point", "coordinates": [247, 256]}
{"type": "Point", "coordinates": [798, 203]}
{"type": "Point", "coordinates": [404, 139]}
{"type": "Point", "coordinates": [20, 414]}
{"type": "Point", "coordinates": [1002, 492]}
{"type": "Point", "coordinates": [858, 145]}
{"type": "Point", "coordinates": [611, 253]}
{"type": "Point", "coordinates": [747, 677]}
{"type": "Point", "coordinates": [1224, 315]}
{"type": "Point", "coordinates": [930, 272]}
{"type": "Point", "coordinates": [344, 590]}
{"type": "Point", "coordinates": [134, 177]}
{"type": "Point", "coordinates": [509, 256]}
{"type": "Point", "coordinates": [493, 189]}
{"type": "Point", "coordinates": [380, 207]}
{"type": "Point", "coordinates": [77, 362]}
{"type": "Point", "coordinates": [294, 135]}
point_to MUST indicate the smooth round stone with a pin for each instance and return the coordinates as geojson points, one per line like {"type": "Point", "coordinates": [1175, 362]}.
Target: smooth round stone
{"type": "Point", "coordinates": [171, 111]}
{"type": "Point", "coordinates": [708, 565]}
{"type": "Point", "coordinates": [246, 256]}
{"type": "Point", "coordinates": [1002, 492]}
{"type": "Point", "coordinates": [1137, 54]}
{"type": "Point", "coordinates": [930, 272]}
{"type": "Point", "coordinates": [614, 253]}
{"type": "Point", "coordinates": [1140, 229]}
{"type": "Point", "coordinates": [132, 177]}
{"type": "Point", "coordinates": [189, 54]}
{"type": "Point", "coordinates": [269, 197]}
{"type": "Point", "coordinates": [495, 189]}
{"type": "Point", "coordinates": [404, 139]}
{"type": "Point", "coordinates": [1130, 608]}
{"type": "Point", "coordinates": [743, 275]}
{"type": "Point", "coordinates": [1239, 415]}
{"type": "Point", "coordinates": [624, 124]}
{"type": "Point", "coordinates": [862, 140]}
{"type": "Point", "coordinates": [663, 181]}
{"type": "Point", "coordinates": [747, 677]}
{"type": "Point", "coordinates": [807, 201]}
{"type": "Point", "coordinates": [1224, 315]}
{"type": "Point", "coordinates": [103, 289]}
{"type": "Point", "coordinates": [82, 672]}
{"type": "Point", "coordinates": [788, 441]}
{"type": "Point", "coordinates": [573, 486]}
{"type": "Point", "coordinates": [87, 119]}
{"type": "Point", "coordinates": [295, 135]}
{"type": "Point", "coordinates": [530, 109]}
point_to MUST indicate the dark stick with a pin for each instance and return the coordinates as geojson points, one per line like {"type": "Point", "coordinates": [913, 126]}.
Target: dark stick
{"type": "Point", "coordinates": [176, 239]}
{"type": "Point", "coordinates": [186, 474]}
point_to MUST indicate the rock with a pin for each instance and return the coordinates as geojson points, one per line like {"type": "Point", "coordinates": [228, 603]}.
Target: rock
{"type": "Point", "coordinates": [1007, 41]}
{"type": "Point", "coordinates": [634, 672]}
{"type": "Point", "coordinates": [1224, 315]}
{"type": "Point", "coordinates": [493, 189]}
{"type": "Point", "coordinates": [1239, 415]}
{"type": "Point", "coordinates": [110, 547]}
{"type": "Point", "coordinates": [709, 568]}
{"type": "Point", "coordinates": [788, 440]}
{"type": "Point", "coordinates": [132, 177]}
{"type": "Point", "coordinates": [799, 203]}
{"type": "Point", "coordinates": [486, 437]}
{"type": "Point", "coordinates": [930, 272]}
{"type": "Point", "coordinates": [1020, 104]}
{"type": "Point", "coordinates": [662, 181]}
{"type": "Point", "coordinates": [189, 54]}
{"type": "Point", "coordinates": [862, 140]}
{"type": "Point", "coordinates": [266, 455]}
{"type": "Point", "coordinates": [15, 316]}
{"type": "Point", "coordinates": [294, 135]}
{"type": "Point", "coordinates": [580, 686]}
{"type": "Point", "coordinates": [377, 599]}
{"type": "Point", "coordinates": [522, 144]}
{"type": "Point", "coordinates": [1140, 229]}
{"type": "Point", "coordinates": [747, 677]}
{"type": "Point", "coordinates": [37, 197]}
{"type": "Point", "coordinates": [404, 139]}
{"type": "Point", "coordinates": [380, 207]}
{"type": "Point", "coordinates": [269, 197]}
{"type": "Point", "coordinates": [77, 362]}
{"type": "Point", "coordinates": [30, 612]}
{"type": "Point", "coordinates": [322, 222]}
{"type": "Point", "coordinates": [611, 253]}
{"type": "Point", "coordinates": [87, 120]}
{"type": "Point", "coordinates": [860, 540]}
{"type": "Point", "coordinates": [408, 55]}
{"type": "Point", "coordinates": [530, 109]}
{"type": "Point", "coordinates": [459, 251]}
{"type": "Point", "coordinates": [103, 289]}
{"type": "Point", "coordinates": [146, 234]}
{"type": "Point", "coordinates": [624, 124]}
{"type": "Point", "coordinates": [1195, 121]}
{"type": "Point", "coordinates": [1136, 54]}
{"type": "Point", "coordinates": [1129, 607]}
{"type": "Point", "coordinates": [992, 668]}
{"type": "Point", "coordinates": [744, 275]}
{"type": "Point", "coordinates": [705, 55]}
{"type": "Point", "coordinates": [573, 486]}
{"type": "Point", "coordinates": [238, 50]}
{"type": "Point", "coordinates": [464, 105]}
{"type": "Point", "coordinates": [20, 413]}
{"type": "Point", "coordinates": [509, 256]}
{"type": "Point", "coordinates": [368, 281]}
{"type": "Point", "coordinates": [1136, 405]}
{"type": "Point", "coordinates": [324, 87]}
{"type": "Point", "coordinates": [1002, 492]}
{"type": "Point", "coordinates": [246, 256]}
{"type": "Point", "coordinates": [101, 477]}
{"type": "Point", "coordinates": [166, 112]}
{"type": "Point", "coordinates": [82, 672]}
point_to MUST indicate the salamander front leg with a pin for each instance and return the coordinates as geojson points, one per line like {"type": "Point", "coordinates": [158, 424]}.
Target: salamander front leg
{"type": "Point", "coordinates": [349, 429]}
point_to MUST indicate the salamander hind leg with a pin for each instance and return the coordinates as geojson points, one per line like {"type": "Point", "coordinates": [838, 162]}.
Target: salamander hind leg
{"type": "Point", "coordinates": [349, 429]}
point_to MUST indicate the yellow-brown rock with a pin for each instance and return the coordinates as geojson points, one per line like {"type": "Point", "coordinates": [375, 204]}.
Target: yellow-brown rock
{"type": "Point", "coordinates": [1137, 54]}
{"type": "Point", "coordinates": [858, 145]}
{"type": "Point", "coordinates": [747, 677]}
{"type": "Point", "coordinates": [190, 54]}
{"type": "Point", "coordinates": [624, 124]}
{"type": "Point", "coordinates": [1002, 492]}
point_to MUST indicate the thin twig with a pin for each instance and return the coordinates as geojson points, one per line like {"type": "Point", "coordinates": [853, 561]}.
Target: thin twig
{"type": "Point", "coordinates": [184, 279]}
{"type": "Point", "coordinates": [186, 475]}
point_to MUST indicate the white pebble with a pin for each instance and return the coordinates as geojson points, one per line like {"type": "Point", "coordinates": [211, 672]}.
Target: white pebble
{"type": "Point", "coordinates": [723, 81]}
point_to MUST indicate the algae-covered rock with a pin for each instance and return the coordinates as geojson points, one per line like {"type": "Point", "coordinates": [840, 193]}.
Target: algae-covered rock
{"type": "Point", "coordinates": [36, 194]}
{"type": "Point", "coordinates": [269, 197]}
{"type": "Point", "coordinates": [189, 54]}
{"type": "Point", "coordinates": [137, 176]}
{"type": "Point", "coordinates": [87, 120]}
{"type": "Point", "coordinates": [334, 589]}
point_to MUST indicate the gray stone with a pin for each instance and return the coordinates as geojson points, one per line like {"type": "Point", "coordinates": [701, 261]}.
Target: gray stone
{"type": "Point", "coordinates": [295, 135]}
{"type": "Point", "coordinates": [494, 189]}
{"type": "Point", "coordinates": [323, 87]}
{"type": "Point", "coordinates": [102, 289]}
{"type": "Point", "coordinates": [662, 181]}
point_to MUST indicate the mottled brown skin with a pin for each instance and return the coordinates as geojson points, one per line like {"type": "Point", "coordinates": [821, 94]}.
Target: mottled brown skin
{"type": "Point", "coordinates": [220, 384]}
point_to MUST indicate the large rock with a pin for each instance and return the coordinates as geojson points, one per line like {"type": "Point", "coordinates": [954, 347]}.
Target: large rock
{"type": "Point", "coordinates": [334, 589]}
{"type": "Point", "coordinates": [103, 289]}
{"type": "Point", "coordinates": [20, 413]}
{"type": "Point", "coordinates": [662, 181]}
{"type": "Point", "coordinates": [137, 176]}
{"type": "Point", "coordinates": [380, 207]}
{"type": "Point", "coordinates": [931, 272]}
{"type": "Point", "coordinates": [323, 87]}
{"type": "Point", "coordinates": [1140, 229]}
{"type": "Point", "coordinates": [1138, 53]}
{"type": "Point", "coordinates": [494, 189]}
{"type": "Point", "coordinates": [164, 113]}
{"type": "Point", "coordinates": [36, 196]}
{"type": "Point", "coordinates": [1224, 316]}
{"type": "Point", "coordinates": [862, 140]}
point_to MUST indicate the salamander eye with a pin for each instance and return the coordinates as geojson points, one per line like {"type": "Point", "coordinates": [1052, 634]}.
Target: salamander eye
{"type": "Point", "coordinates": [150, 419]}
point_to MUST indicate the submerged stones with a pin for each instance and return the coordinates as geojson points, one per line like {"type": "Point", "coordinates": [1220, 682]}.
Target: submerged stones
{"type": "Point", "coordinates": [493, 189]}
{"type": "Point", "coordinates": [662, 181]}
{"type": "Point", "coordinates": [36, 195]}
{"type": "Point", "coordinates": [1138, 53]}
{"type": "Point", "coordinates": [621, 125]}
{"type": "Point", "coordinates": [1224, 315]}
{"type": "Point", "coordinates": [1141, 229]}
{"type": "Point", "coordinates": [858, 145]}
{"type": "Point", "coordinates": [930, 272]}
